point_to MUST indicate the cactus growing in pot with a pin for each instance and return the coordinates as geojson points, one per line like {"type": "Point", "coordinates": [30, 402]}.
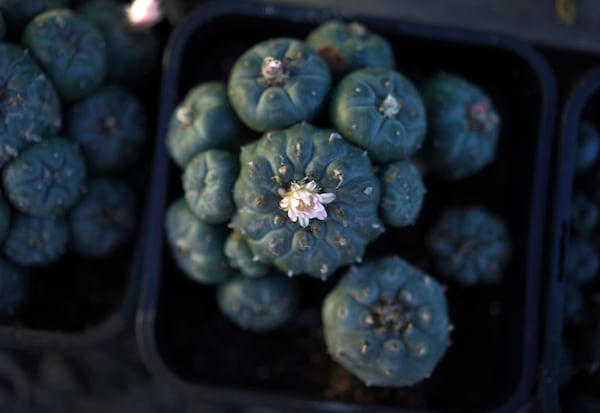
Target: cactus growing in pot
{"type": "Point", "coordinates": [306, 200]}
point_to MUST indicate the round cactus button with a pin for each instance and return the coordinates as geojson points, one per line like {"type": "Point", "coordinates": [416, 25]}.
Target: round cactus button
{"type": "Point", "coordinates": [240, 257]}
{"type": "Point", "coordinates": [402, 194]}
{"type": "Point", "coordinates": [386, 321]}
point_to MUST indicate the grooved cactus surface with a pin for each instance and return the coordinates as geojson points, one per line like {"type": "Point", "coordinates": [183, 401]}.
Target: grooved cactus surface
{"type": "Point", "coordinates": [350, 46]}
{"type": "Point", "coordinates": [14, 284]}
{"type": "Point", "coordinates": [386, 321]}
{"type": "Point", "coordinates": [294, 92]}
{"type": "Point", "coordinates": [471, 245]}
{"type": "Point", "coordinates": [463, 127]}
{"type": "Point", "coordinates": [110, 128]}
{"type": "Point", "coordinates": [584, 215]}
{"type": "Point", "coordinates": [208, 184]}
{"type": "Point", "coordinates": [70, 49]}
{"type": "Point", "coordinates": [588, 147]}
{"type": "Point", "coordinates": [19, 12]}
{"type": "Point", "coordinates": [34, 241]}
{"type": "Point", "coordinates": [204, 120]}
{"type": "Point", "coordinates": [301, 155]}
{"type": "Point", "coordinates": [198, 247]}
{"type": "Point", "coordinates": [258, 304]}
{"type": "Point", "coordinates": [380, 110]}
{"type": "Point", "coordinates": [29, 105]}
{"type": "Point", "coordinates": [4, 217]}
{"type": "Point", "coordinates": [581, 261]}
{"type": "Point", "coordinates": [103, 219]}
{"type": "Point", "coordinates": [402, 194]}
{"type": "Point", "coordinates": [240, 257]}
{"type": "Point", "coordinates": [46, 179]}
{"type": "Point", "coordinates": [132, 54]}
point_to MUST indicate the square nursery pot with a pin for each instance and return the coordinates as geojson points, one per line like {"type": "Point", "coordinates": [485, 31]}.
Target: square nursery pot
{"type": "Point", "coordinates": [563, 379]}
{"type": "Point", "coordinates": [491, 365]}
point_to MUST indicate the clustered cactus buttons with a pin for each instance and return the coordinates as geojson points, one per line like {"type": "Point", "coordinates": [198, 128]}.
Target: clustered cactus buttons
{"type": "Point", "coordinates": [278, 83]}
{"type": "Point", "coordinates": [463, 130]}
{"type": "Point", "coordinates": [109, 127]}
{"type": "Point", "coordinates": [46, 179]}
{"type": "Point", "coordinates": [14, 284]}
{"type": "Point", "coordinates": [132, 53]}
{"type": "Point", "coordinates": [380, 110]}
{"type": "Point", "coordinates": [350, 46]}
{"type": "Point", "coordinates": [471, 245]}
{"type": "Point", "coordinates": [387, 322]}
{"type": "Point", "coordinates": [306, 200]}
{"type": "Point", "coordinates": [204, 120]}
{"type": "Point", "coordinates": [103, 219]}
{"type": "Point", "coordinates": [36, 241]}
{"type": "Point", "coordinates": [584, 215]}
{"type": "Point", "coordinates": [29, 105]}
{"type": "Point", "coordinates": [240, 257]}
{"type": "Point", "coordinates": [198, 247]}
{"type": "Point", "coordinates": [208, 184]}
{"type": "Point", "coordinates": [258, 304]}
{"type": "Point", "coordinates": [70, 49]}
{"type": "Point", "coordinates": [402, 194]}
{"type": "Point", "coordinates": [581, 261]}
{"type": "Point", "coordinates": [588, 147]}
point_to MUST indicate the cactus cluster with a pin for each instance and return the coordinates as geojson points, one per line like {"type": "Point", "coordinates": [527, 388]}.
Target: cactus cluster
{"type": "Point", "coordinates": [299, 162]}
{"type": "Point", "coordinates": [66, 135]}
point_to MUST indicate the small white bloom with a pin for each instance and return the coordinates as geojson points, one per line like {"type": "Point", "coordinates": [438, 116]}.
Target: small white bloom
{"type": "Point", "coordinates": [302, 203]}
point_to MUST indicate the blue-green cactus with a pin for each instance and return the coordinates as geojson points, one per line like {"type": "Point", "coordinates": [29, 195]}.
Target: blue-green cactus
{"type": "Point", "coordinates": [573, 300]}
{"type": "Point", "coordinates": [103, 219]}
{"type": "Point", "coordinates": [463, 127]}
{"type": "Point", "coordinates": [581, 261]}
{"type": "Point", "coordinates": [258, 304]}
{"type": "Point", "coordinates": [471, 245]}
{"type": "Point", "coordinates": [386, 321]}
{"type": "Point", "coordinates": [29, 106]}
{"type": "Point", "coordinates": [109, 126]}
{"type": "Point", "coordinates": [588, 147]}
{"type": "Point", "coordinates": [350, 46]}
{"type": "Point", "coordinates": [402, 194]}
{"type": "Point", "coordinates": [208, 184]}
{"type": "Point", "coordinates": [34, 241]}
{"type": "Point", "coordinates": [19, 12]}
{"type": "Point", "coordinates": [198, 247]}
{"type": "Point", "coordinates": [70, 49]}
{"type": "Point", "coordinates": [4, 218]}
{"type": "Point", "coordinates": [380, 110]}
{"type": "Point", "coordinates": [584, 215]}
{"type": "Point", "coordinates": [46, 179]}
{"type": "Point", "coordinates": [14, 285]}
{"type": "Point", "coordinates": [240, 257]}
{"type": "Point", "coordinates": [277, 83]}
{"type": "Point", "coordinates": [306, 200]}
{"type": "Point", "coordinates": [132, 52]}
{"type": "Point", "coordinates": [204, 120]}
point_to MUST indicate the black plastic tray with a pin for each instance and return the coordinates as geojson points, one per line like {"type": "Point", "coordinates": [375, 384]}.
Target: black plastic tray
{"type": "Point", "coordinates": [583, 100]}
{"type": "Point", "coordinates": [492, 363]}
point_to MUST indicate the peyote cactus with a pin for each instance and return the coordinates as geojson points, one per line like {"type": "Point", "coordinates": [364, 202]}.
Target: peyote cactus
{"type": "Point", "coordinates": [277, 83]}
{"type": "Point", "coordinates": [350, 46]}
{"type": "Point", "coordinates": [258, 304]}
{"type": "Point", "coordinates": [402, 194]}
{"type": "Point", "coordinates": [204, 120]}
{"type": "Point", "coordinates": [588, 147]}
{"type": "Point", "coordinates": [4, 218]}
{"type": "Point", "coordinates": [103, 219]}
{"type": "Point", "coordinates": [208, 182]}
{"type": "Point", "coordinates": [386, 321]}
{"type": "Point", "coordinates": [198, 247]}
{"type": "Point", "coordinates": [581, 261]}
{"type": "Point", "coordinates": [34, 241]}
{"type": "Point", "coordinates": [132, 51]}
{"type": "Point", "coordinates": [29, 105]}
{"type": "Point", "coordinates": [19, 12]}
{"type": "Point", "coordinates": [471, 245]}
{"type": "Point", "coordinates": [70, 49]}
{"type": "Point", "coordinates": [306, 200]}
{"type": "Point", "coordinates": [380, 110]}
{"type": "Point", "coordinates": [109, 127]}
{"type": "Point", "coordinates": [46, 179]}
{"type": "Point", "coordinates": [14, 285]}
{"type": "Point", "coordinates": [240, 257]}
{"type": "Point", "coordinates": [464, 127]}
{"type": "Point", "coordinates": [584, 215]}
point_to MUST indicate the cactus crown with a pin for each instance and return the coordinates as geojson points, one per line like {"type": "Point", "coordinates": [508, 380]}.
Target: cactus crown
{"type": "Point", "coordinates": [274, 72]}
{"type": "Point", "coordinates": [390, 106]}
{"type": "Point", "coordinates": [303, 202]}
{"type": "Point", "coordinates": [481, 117]}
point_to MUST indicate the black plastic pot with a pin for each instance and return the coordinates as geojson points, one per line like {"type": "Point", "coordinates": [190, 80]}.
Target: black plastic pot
{"type": "Point", "coordinates": [492, 363]}
{"type": "Point", "coordinates": [582, 103]}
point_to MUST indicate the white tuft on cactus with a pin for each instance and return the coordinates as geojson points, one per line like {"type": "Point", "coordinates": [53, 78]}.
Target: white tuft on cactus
{"type": "Point", "coordinates": [302, 203]}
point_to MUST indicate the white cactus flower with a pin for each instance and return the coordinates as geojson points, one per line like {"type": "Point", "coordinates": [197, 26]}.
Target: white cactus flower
{"type": "Point", "coordinates": [302, 203]}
